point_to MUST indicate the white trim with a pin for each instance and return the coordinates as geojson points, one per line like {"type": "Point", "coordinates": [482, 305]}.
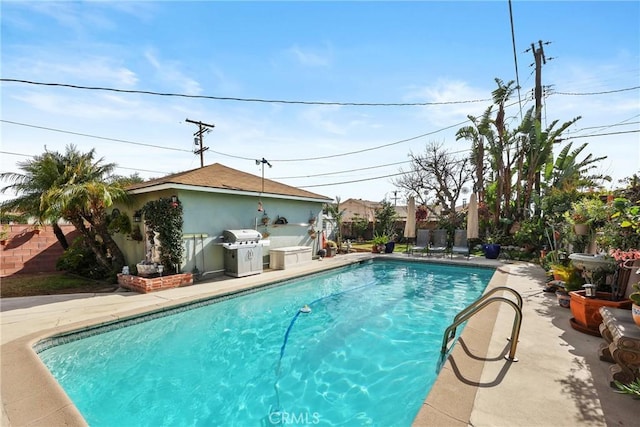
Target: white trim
{"type": "Point", "coordinates": [171, 186]}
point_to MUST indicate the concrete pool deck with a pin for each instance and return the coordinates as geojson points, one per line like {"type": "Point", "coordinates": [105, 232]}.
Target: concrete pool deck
{"type": "Point", "coordinates": [557, 381]}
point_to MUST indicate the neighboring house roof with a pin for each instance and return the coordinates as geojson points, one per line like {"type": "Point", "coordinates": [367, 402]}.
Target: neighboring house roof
{"type": "Point", "coordinates": [367, 209]}
{"type": "Point", "coordinates": [222, 179]}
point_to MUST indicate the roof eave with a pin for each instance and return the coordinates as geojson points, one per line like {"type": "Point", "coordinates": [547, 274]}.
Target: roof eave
{"type": "Point", "coordinates": [175, 186]}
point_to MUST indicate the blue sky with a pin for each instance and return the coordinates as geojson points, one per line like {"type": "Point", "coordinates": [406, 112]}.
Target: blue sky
{"type": "Point", "coordinates": [448, 53]}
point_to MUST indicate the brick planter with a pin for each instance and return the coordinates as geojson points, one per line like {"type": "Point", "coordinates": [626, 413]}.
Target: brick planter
{"type": "Point", "coordinates": [146, 285]}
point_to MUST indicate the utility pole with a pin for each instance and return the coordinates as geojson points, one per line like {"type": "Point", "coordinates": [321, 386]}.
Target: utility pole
{"type": "Point", "coordinates": [539, 59]}
{"type": "Point", "coordinates": [202, 129]}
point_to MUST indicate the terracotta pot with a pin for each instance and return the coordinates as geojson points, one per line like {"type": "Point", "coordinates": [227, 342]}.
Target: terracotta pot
{"type": "Point", "coordinates": [586, 311]}
{"type": "Point", "coordinates": [581, 229]}
{"type": "Point", "coordinates": [635, 312]}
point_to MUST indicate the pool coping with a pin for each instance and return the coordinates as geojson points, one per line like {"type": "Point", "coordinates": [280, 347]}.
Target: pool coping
{"type": "Point", "coordinates": [31, 396]}
{"type": "Point", "coordinates": [439, 408]}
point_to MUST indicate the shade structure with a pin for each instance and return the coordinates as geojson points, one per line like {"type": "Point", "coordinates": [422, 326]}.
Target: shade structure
{"type": "Point", "coordinates": [472, 217]}
{"type": "Point", "coordinates": [410, 225]}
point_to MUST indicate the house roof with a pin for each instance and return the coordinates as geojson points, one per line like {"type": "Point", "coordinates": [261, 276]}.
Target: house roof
{"type": "Point", "coordinates": [366, 209]}
{"type": "Point", "coordinates": [223, 179]}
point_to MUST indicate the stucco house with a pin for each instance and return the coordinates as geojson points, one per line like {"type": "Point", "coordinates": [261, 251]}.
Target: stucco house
{"type": "Point", "coordinates": [216, 198]}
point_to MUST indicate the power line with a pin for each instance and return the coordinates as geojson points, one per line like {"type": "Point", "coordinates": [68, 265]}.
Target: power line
{"type": "Point", "coordinates": [344, 171]}
{"type": "Point", "coordinates": [240, 157]}
{"type": "Point", "coordinates": [515, 56]}
{"type": "Point", "coordinates": [598, 134]}
{"type": "Point", "coordinates": [624, 122]}
{"type": "Point", "coordinates": [10, 153]}
{"type": "Point", "coordinates": [373, 148]}
{"type": "Point", "coordinates": [225, 98]}
{"type": "Point", "coordinates": [356, 180]}
{"type": "Point", "coordinates": [596, 93]}
{"type": "Point", "coordinates": [93, 136]}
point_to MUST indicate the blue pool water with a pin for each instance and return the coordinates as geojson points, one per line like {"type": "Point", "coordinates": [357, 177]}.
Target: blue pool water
{"type": "Point", "coordinates": [366, 354]}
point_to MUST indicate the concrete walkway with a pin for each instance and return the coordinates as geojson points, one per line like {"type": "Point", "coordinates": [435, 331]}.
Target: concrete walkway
{"type": "Point", "coordinates": [557, 381]}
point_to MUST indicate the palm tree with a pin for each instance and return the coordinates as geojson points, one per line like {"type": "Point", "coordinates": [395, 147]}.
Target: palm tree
{"type": "Point", "coordinates": [78, 189]}
{"type": "Point", "coordinates": [475, 135]}
{"type": "Point", "coordinates": [490, 136]}
{"type": "Point", "coordinates": [40, 173]}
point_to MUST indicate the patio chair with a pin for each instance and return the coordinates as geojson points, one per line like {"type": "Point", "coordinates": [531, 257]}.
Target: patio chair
{"type": "Point", "coordinates": [460, 244]}
{"type": "Point", "coordinates": [440, 243]}
{"type": "Point", "coordinates": [422, 241]}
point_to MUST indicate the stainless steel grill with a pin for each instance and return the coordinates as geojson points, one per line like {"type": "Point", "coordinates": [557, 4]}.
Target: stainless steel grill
{"type": "Point", "coordinates": [242, 252]}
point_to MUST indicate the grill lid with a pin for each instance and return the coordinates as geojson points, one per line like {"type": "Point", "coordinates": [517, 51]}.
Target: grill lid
{"type": "Point", "coordinates": [241, 236]}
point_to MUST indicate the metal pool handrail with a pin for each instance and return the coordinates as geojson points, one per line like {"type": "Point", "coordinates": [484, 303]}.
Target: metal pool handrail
{"type": "Point", "coordinates": [478, 305]}
{"type": "Point", "coordinates": [487, 295]}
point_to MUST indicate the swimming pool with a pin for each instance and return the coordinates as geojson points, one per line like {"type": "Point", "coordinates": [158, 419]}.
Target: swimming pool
{"type": "Point", "coordinates": [365, 354]}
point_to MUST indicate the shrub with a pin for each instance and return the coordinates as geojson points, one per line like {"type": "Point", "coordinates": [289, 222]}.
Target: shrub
{"type": "Point", "coordinates": [81, 260]}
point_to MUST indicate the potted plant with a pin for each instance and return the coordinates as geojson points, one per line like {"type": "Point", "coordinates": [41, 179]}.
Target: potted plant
{"type": "Point", "coordinates": [585, 309]}
{"type": "Point", "coordinates": [568, 279]}
{"type": "Point", "coordinates": [379, 242]}
{"type": "Point", "coordinates": [331, 248]}
{"type": "Point", "coordinates": [560, 272]}
{"type": "Point", "coordinates": [265, 218]}
{"type": "Point", "coordinates": [584, 212]}
{"type": "Point", "coordinates": [390, 245]}
{"type": "Point", "coordinates": [491, 249]}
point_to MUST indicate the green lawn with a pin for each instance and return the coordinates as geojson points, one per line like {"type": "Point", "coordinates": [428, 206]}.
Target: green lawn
{"type": "Point", "coordinates": [23, 285]}
{"type": "Point", "coordinates": [366, 247]}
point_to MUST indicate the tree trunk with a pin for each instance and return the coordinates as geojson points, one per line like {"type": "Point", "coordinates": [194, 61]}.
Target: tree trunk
{"type": "Point", "coordinates": [62, 239]}
{"type": "Point", "coordinates": [111, 260]}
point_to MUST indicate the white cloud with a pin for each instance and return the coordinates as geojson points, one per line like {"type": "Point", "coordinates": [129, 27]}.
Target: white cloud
{"type": "Point", "coordinates": [97, 70]}
{"type": "Point", "coordinates": [310, 57]}
{"type": "Point", "coordinates": [444, 91]}
{"type": "Point", "coordinates": [101, 106]}
{"type": "Point", "coordinates": [170, 72]}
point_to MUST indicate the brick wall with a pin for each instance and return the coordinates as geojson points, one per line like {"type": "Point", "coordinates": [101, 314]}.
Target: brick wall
{"type": "Point", "coordinates": [31, 251]}
{"type": "Point", "coordinates": [146, 285]}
